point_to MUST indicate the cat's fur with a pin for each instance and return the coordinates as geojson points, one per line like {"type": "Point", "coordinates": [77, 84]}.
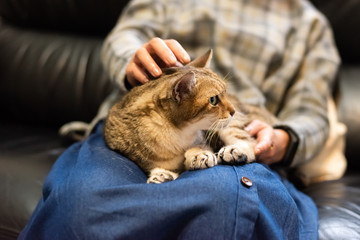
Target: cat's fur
{"type": "Point", "coordinates": [159, 125]}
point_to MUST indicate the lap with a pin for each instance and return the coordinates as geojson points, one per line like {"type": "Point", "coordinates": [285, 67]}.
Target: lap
{"type": "Point", "coordinates": [95, 193]}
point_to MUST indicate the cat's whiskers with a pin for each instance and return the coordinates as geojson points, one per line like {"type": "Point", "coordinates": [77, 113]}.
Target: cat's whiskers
{"type": "Point", "coordinates": [214, 128]}
{"type": "Point", "coordinates": [211, 132]}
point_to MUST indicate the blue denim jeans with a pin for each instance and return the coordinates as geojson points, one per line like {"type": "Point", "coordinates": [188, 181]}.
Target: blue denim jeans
{"type": "Point", "coordinates": [95, 193]}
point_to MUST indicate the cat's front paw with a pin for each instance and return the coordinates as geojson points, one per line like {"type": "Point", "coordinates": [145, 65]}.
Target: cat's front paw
{"type": "Point", "coordinates": [159, 175]}
{"type": "Point", "coordinates": [199, 159]}
{"type": "Point", "coordinates": [237, 154]}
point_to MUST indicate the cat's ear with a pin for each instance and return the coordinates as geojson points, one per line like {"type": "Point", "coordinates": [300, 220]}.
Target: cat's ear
{"type": "Point", "coordinates": [183, 87]}
{"type": "Point", "coordinates": [202, 61]}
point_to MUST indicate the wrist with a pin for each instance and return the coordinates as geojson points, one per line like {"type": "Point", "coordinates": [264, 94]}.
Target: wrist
{"type": "Point", "coordinates": [292, 146]}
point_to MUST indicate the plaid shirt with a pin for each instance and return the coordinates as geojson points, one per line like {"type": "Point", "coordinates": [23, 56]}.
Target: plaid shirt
{"type": "Point", "coordinates": [275, 53]}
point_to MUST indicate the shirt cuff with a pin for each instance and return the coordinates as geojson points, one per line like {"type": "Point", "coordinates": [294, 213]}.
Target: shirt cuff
{"type": "Point", "coordinates": [292, 146]}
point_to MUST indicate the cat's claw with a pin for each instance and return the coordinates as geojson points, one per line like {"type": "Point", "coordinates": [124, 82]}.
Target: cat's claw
{"type": "Point", "coordinates": [236, 154]}
{"type": "Point", "coordinates": [159, 175]}
{"type": "Point", "coordinates": [200, 160]}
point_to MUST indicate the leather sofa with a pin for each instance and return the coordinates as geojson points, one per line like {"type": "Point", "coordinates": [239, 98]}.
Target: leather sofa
{"type": "Point", "coordinates": [50, 74]}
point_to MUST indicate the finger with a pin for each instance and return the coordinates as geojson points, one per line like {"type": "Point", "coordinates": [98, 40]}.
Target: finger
{"type": "Point", "coordinates": [135, 74]}
{"type": "Point", "coordinates": [265, 157]}
{"type": "Point", "coordinates": [255, 127]}
{"type": "Point", "coordinates": [143, 58]}
{"type": "Point", "coordinates": [159, 47]}
{"type": "Point", "coordinates": [178, 51]}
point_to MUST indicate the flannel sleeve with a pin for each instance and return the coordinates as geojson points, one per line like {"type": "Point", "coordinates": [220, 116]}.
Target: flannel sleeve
{"type": "Point", "coordinates": [304, 108]}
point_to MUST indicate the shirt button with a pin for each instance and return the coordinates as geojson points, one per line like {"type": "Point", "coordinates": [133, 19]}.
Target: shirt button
{"type": "Point", "coordinates": [246, 182]}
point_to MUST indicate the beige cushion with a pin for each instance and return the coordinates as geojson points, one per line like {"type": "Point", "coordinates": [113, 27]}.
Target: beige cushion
{"type": "Point", "coordinates": [330, 163]}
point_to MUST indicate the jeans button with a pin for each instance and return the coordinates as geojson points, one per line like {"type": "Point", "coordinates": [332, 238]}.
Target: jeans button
{"type": "Point", "coordinates": [246, 182]}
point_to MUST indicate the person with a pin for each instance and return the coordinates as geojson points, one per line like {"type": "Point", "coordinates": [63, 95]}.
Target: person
{"type": "Point", "coordinates": [276, 53]}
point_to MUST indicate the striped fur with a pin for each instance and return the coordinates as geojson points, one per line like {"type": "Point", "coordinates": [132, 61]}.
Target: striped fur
{"type": "Point", "coordinates": [160, 125]}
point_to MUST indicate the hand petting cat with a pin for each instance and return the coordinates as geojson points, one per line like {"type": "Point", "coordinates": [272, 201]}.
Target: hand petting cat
{"type": "Point", "coordinates": [152, 56]}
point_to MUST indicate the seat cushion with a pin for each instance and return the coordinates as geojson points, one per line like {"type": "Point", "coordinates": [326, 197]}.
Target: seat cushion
{"type": "Point", "coordinates": [27, 153]}
{"type": "Point", "coordinates": [338, 203]}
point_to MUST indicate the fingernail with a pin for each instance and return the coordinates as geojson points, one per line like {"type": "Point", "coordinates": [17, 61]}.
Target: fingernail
{"type": "Point", "coordinates": [186, 58]}
{"type": "Point", "coordinates": [156, 72]}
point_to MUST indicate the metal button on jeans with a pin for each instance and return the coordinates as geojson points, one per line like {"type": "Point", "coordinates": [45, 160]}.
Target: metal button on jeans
{"type": "Point", "coordinates": [246, 182]}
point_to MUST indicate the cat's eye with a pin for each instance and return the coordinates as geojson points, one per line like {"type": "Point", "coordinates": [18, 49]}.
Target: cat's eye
{"type": "Point", "coordinates": [214, 100]}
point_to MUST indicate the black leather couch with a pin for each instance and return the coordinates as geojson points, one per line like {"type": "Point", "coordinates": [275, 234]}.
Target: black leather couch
{"type": "Point", "coordinates": [50, 74]}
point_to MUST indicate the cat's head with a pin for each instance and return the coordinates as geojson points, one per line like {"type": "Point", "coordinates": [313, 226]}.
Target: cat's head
{"type": "Point", "coordinates": [198, 95]}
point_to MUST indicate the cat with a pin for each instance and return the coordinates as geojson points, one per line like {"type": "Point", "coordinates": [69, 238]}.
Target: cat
{"type": "Point", "coordinates": [160, 125]}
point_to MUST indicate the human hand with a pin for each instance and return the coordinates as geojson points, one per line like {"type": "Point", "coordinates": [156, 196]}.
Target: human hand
{"type": "Point", "coordinates": [271, 143]}
{"type": "Point", "coordinates": [152, 56]}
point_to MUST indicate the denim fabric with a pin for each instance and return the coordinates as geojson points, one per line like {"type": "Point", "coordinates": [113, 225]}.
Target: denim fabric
{"type": "Point", "coordinates": [95, 193]}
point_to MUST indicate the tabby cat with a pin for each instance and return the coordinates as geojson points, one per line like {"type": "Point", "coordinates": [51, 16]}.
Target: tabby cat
{"type": "Point", "coordinates": [160, 125]}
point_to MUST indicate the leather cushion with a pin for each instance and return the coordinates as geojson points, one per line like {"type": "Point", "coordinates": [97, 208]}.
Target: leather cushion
{"type": "Point", "coordinates": [338, 205]}
{"type": "Point", "coordinates": [27, 153]}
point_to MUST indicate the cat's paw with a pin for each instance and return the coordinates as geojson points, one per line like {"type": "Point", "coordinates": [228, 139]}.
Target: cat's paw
{"type": "Point", "coordinates": [159, 175]}
{"type": "Point", "coordinates": [199, 159]}
{"type": "Point", "coordinates": [237, 154]}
